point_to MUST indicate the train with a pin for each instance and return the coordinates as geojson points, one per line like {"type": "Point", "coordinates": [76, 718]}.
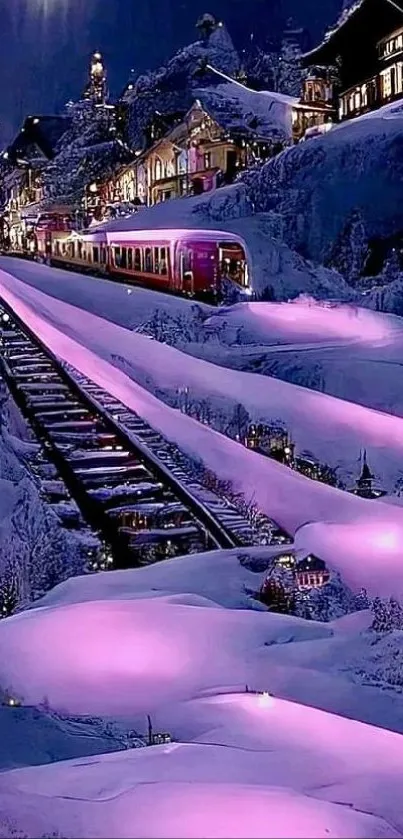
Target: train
{"type": "Point", "coordinates": [194, 263]}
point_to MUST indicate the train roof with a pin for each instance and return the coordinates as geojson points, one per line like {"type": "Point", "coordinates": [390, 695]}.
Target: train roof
{"type": "Point", "coordinates": [171, 235]}
{"type": "Point", "coordinates": [161, 235]}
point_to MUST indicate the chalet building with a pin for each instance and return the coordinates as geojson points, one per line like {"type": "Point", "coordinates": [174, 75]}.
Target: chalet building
{"type": "Point", "coordinates": [316, 111]}
{"type": "Point", "coordinates": [365, 485]}
{"type": "Point", "coordinates": [26, 158]}
{"type": "Point", "coordinates": [198, 154]}
{"type": "Point", "coordinates": [366, 50]}
{"type": "Point", "coordinates": [272, 442]}
{"type": "Point", "coordinates": [311, 572]}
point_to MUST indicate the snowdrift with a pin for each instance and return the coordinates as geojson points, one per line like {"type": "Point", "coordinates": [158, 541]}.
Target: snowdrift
{"type": "Point", "coordinates": [316, 185]}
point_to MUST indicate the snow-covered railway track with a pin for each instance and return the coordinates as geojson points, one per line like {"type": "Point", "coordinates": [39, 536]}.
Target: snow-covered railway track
{"type": "Point", "coordinates": [117, 468]}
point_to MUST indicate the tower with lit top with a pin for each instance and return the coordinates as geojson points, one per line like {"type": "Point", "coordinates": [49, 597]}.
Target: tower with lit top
{"type": "Point", "coordinates": [96, 89]}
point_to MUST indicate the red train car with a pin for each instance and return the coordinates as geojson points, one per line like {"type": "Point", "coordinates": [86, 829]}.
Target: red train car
{"type": "Point", "coordinates": [190, 262]}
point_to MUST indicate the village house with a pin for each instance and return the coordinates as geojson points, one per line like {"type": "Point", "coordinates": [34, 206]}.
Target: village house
{"type": "Point", "coordinates": [227, 129]}
{"type": "Point", "coordinates": [26, 159]}
{"type": "Point", "coordinates": [365, 49]}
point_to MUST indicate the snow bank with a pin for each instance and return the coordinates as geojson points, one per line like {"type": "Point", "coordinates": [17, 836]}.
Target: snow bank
{"type": "Point", "coordinates": [154, 652]}
{"type": "Point", "coordinates": [31, 736]}
{"type": "Point", "coordinates": [186, 809]}
{"type": "Point", "coordinates": [316, 185]}
{"type": "Point", "coordinates": [217, 576]}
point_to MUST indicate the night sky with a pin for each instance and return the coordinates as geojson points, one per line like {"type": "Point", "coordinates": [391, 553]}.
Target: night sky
{"type": "Point", "coordinates": [45, 44]}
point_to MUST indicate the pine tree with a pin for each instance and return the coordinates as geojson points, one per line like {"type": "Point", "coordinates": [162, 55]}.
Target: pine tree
{"type": "Point", "coordinates": [382, 620]}
{"type": "Point", "coordinates": [395, 614]}
{"type": "Point", "coordinates": [290, 71]}
{"type": "Point", "coordinates": [9, 591]}
{"type": "Point", "coordinates": [391, 269]}
{"type": "Point", "coordinates": [350, 251]}
{"type": "Point", "coordinates": [239, 424]}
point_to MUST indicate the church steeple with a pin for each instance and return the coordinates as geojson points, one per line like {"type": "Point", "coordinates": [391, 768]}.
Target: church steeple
{"type": "Point", "coordinates": [366, 478]}
{"type": "Point", "coordinates": [96, 89]}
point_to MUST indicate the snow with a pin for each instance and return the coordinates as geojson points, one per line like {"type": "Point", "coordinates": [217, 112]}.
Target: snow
{"type": "Point", "coordinates": [184, 808]}
{"type": "Point", "coordinates": [315, 186]}
{"type": "Point", "coordinates": [241, 764]}
{"type": "Point", "coordinates": [359, 546]}
{"type": "Point", "coordinates": [157, 652]}
{"type": "Point", "coordinates": [33, 736]}
{"type": "Point", "coordinates": [234, 106]}
{"type": "Point", "coordinates": [217, 576]}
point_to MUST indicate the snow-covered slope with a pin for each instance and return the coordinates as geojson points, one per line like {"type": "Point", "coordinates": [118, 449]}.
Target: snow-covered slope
{"type": "Point", "coordinates": [316, 185]}
{"type": "Point", "coordinates": [241, 764]}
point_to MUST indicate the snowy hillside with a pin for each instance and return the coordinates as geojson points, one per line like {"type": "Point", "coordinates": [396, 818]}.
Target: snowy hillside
{"type": "Point", "coordinates": [318, 184]}
{"type": "Point", "coordinates": [241, 763]}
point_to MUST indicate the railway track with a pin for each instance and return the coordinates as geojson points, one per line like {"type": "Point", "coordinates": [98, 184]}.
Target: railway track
{"type": "Point", "coordinates": [119, 470]}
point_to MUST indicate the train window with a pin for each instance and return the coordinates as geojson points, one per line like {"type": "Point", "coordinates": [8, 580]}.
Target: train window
{"type": "Point", "coordinates": [148, 261]}
{"type": "Point", "coordinates": [117, 257]}
{"type": "Point", "coordinates": [160, 261]}
{"type": "Point", "coordinates": [130, 259]}
{"type": "Point", "coordinates": [123, 261]}
{"type": "Point", "coordinates": [95, 254]}
{"type": "Point", "coordinates": [103, 255]}
{"type": "Point", "coordinates": [163, 261]}
{"type": "Point", "coordinates": [137, 259]}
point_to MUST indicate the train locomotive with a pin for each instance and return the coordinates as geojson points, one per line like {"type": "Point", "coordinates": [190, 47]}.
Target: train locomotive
{"type": "Point", "coordinates": [195, 263]}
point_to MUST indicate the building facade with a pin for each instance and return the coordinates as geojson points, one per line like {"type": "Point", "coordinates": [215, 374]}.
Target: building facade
{"type": "Point", "coordinates": [195, 156]}
{"type": "Point", "coordinates": [365, 49]}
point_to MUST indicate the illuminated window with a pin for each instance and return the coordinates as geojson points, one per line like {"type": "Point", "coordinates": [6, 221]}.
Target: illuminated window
{"type": "Point", "coordinates": [130, 259]}
{"type": "Point", "coordinates": [386, 84]}
{"type": "Point", "coordinates": [364, 95]}
{"type": "Point", "coordinates": [207, 160]}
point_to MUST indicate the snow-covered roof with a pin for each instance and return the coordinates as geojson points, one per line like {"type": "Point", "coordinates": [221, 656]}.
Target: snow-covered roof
{"type": "Point", "coordinates": [235, 107]}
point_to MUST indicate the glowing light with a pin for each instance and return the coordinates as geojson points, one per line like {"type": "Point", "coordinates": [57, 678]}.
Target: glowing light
{"type": "Point", "coordinates": [265, 700]}
{"type": "Point", "coordinates": [387, 539]}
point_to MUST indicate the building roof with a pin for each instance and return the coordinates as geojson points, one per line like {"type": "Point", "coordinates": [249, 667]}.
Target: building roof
{"type": "Point", "coordinates": [384, 15]}
{"type": "Point", "coordinates": [43, 132]}
{"type": "Point", "coordinates": [311, 563]}
{"type": "Point", "coordinates": [259, 115]}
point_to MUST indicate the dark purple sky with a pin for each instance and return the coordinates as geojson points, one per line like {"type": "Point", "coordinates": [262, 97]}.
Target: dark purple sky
{"type": "Point", "coordinates": [45, 44]}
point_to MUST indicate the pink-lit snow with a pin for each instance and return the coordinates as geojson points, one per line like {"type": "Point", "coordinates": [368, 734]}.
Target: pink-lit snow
{"type": "Point", "coordinates": [289, 498]}
{"type": "Point", "coordinates": [245, 765]}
